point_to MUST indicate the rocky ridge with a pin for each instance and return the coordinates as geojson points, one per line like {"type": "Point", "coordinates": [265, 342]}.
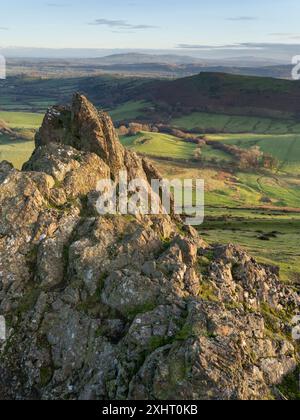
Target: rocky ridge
{"type": "Point", "coordinates": [123, 307]}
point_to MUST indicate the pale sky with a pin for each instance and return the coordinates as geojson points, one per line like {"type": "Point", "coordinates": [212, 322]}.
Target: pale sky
{"type": "Point", "coordinates": [153, 24]}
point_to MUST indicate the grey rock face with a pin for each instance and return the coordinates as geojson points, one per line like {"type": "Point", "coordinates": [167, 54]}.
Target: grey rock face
{"type": "Point", "coordinates": [119, 307]}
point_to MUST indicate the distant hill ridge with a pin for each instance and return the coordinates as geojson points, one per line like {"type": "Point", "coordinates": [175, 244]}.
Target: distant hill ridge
{"type": "Point", "coordinates": [205, 92]}
{"type": "Point", "coordinates": [138, 58]}
{"type": "Point", "coordinates": [220, 92]}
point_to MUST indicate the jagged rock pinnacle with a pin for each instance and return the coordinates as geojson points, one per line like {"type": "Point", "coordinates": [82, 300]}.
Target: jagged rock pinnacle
{"type": "Point", "coordinates": [84, 128]}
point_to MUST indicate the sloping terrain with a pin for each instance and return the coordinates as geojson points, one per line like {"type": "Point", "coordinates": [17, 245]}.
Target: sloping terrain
{"type": "Point", "coordinates": [17, 130]}
{"type": "Point", "coordinates": [139, 65]}
{"type": "Point", "coordinates": [203, 122]}
{"type": "Point", "coordinates": [224, 93]}
{"type": "Point", "coordinates": [205, 92]}
{"type": "Point", "coordinates": [33, 94]}
{"type": "Point", "coordinates": [242, 196]}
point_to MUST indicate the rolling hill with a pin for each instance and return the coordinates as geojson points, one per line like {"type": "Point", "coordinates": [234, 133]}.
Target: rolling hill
{"type": "Point", "coordinates": [254, 203]}
{"type": "Point", "coordinates": [205, 92]}
{"type": "Point", "coordinates": [229, 94]}
{"type": "Point", "coordinates": [139, 64]}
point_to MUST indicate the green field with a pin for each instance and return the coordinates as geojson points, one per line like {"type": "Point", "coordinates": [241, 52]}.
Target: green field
{"type": "Point", "coordinates": [285, 147]}
{"type": "Point", "coordinates": [35, 94]}
{"type": "Point", "coordinates": [21, 120]}
{"type": "Point", "coordinates": [161, 145]}
{"type": "Point", "coordinates": [204, 122]}
{"type": "Point", "coordinates": [240, 206]}
{"type": "Point", "coordinates": [15, 151]}
{"type": "Point", "coordinates": [239, 190]}
{"type": "Point", "coordinates": [208, 153]}
{"type": "Point", "coordinates": [24, 124]}
{"type": "Point", "coordinates": [280, 249]}
{"type": "Point", "coordinates": [234, 213]}
{"type": "Point", "coordinates": [128, 111]}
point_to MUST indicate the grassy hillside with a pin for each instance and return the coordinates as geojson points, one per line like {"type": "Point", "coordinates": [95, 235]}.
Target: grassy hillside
{"type": "Point", "coordinates": [240, 190]}
{"type": "Point", "coordinates": [129, 110]}
{"type": "Point", "coordinates": [22, 120]}
{"type": "Point", "coordinates": [230, 94]}
{"type": "Point", "coordinates": [286, 147]}
{"type": "Point", "coordinates": [235, 213]}
{"type": "Point", "coordinates": [281, 247]}
{"type": "Point", "coordinates": [15, 151]}
{"type": "Point", "coordinates": [205, 92]}
{"type": "Point", "coordinates": [18, 148]}
{"type": "Point", "coordinates": [208, 122]}
{"type": "Point", "coordinates": [161, 145]}
{"type": "Point", "coordinates": [25, 93]}
{"type": "Point", "coordinates": [258, 209]}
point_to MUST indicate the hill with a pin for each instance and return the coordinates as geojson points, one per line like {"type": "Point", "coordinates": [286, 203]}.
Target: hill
{"type": "Point", "coordinates": [225, 93]}
{"type": "Point", "coordinates": [139, 58]}
{"type": "Point", "coordinates": [206, 92]}
{"type": "Point", "coordinates": [137, 64]}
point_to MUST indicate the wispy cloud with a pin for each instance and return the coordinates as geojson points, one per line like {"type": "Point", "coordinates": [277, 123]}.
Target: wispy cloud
{"type": "Point", "coordinates": [244, 46]}
{"type": "Point", "coordinates": [242, 18]}
{"type": "Point", "coordinates": [4, 28]}
{"type": "Point", "coordinates": [121, 24]}
{"type": "Point", "coordinates": [57, 5]}
{"type": "Point", "coordinates": [286, 35]}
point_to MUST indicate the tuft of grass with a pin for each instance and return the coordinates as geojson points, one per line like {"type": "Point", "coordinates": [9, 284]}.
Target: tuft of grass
{"type": "Point", "coordinates": [46, 374]}
{"type": "Point", "coordinates": [141, 309]}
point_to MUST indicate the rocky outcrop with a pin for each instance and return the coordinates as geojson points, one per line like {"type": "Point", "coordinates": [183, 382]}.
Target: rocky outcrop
{"type": "Point", "coordinates": [88, 130]}
{"type": "Point", "coordinates": [123, 307]}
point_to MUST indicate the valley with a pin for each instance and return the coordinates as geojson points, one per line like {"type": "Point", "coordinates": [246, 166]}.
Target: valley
{"type": "Point", "coordinates": [257, 207]}
{"type": "Point", "coordinates": [143, 65]}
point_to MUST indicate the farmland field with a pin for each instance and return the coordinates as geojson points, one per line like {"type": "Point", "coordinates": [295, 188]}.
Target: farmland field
{"type": "Point", "coordinates": [239, 190]}
{"type": "Point", "coordinates": [285, 147]}
{"type": "Point", "coordinates": [19, 148]}
{"type": "Point", "coordinates": [162, 145]}
{"type": "Point", "coordinates": [15, 151]}
{"type": "Point", "coordinates": [204, 122]}
{"type": "Point", "coordinates": [274, 242]}
{"type": "Point", "coordinates": [129, 110]}
{"type": "Point", "coordinates": [241, 207]}
{"type": "Point", "coordinates": [235, 214]}
{"type": "Point", "coordinates": [21, 120]}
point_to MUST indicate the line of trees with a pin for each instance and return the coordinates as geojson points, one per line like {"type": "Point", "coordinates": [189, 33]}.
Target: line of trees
{"type": "Point", "coordinates": [252, 158]}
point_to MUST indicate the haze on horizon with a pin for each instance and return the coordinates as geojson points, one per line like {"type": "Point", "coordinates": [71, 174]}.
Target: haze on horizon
{"type": "Point", "coordinates": [265, 28]}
